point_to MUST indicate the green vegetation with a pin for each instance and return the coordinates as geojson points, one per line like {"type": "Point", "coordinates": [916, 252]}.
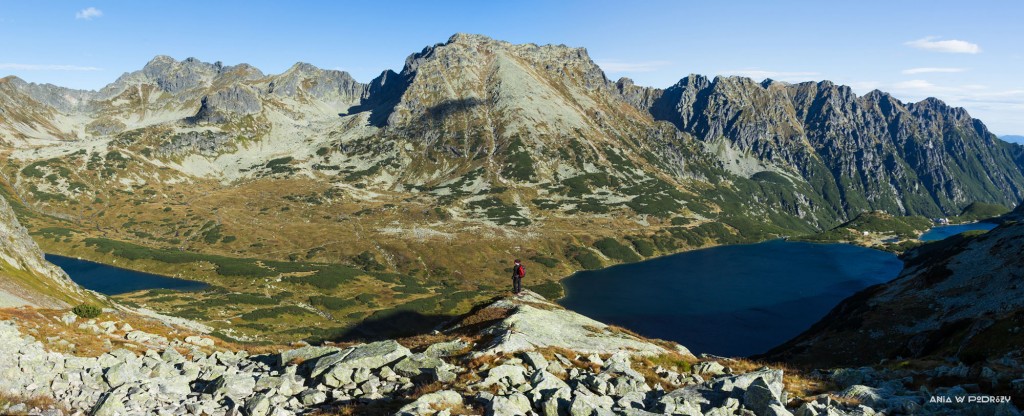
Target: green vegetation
{"type": "Point", "coordinates": [874, 223]}
{"type": "Point", "coordinates": [613, 249]}
{"type": "Point", "coordinates": [277, 312]}
{"type": "Point", "coordinates": [980, 211]}
{"type": "Point", "coordinates": [497, 211]}
{"type": "Point", "coordinates": [519, 165]}
{"type": "Point", "coordinates": [550, 290]}
{"type": "Point", "coordinates": [643, 246]}
{"type": "Point", "coordinates": [250, 299]}
{"type": "Point", "coordinates": [332, 303]}
{"type": "Point", "coordinates": [544, 261]}
{"type": "Point", "coordinates": [87, 311]}
{"type": "Point", "coordinates": [584, 257]}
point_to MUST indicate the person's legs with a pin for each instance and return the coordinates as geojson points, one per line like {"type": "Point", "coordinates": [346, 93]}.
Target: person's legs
{"type": "Point", "coordinates": [517, 284]}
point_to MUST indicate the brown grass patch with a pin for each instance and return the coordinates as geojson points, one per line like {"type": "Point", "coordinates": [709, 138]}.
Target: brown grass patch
{"type": "Point", "coordinates": [44, 323]}
{"type": "Point", "coordinates": [575, 358]}
{"type": "Point", "coordinates": [670, 360]}
{"type": "Point", "coordinates": [420, 342]}
{"type": "Point", "coordinates": [797, 382]}
{"type": "Point", "coordinates": [426, 389]}
{"type": "Point", "coordinates": [32, 402]}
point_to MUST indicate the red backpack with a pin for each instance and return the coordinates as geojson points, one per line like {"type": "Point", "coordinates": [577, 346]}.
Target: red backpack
{"type": "Point", "coordinates": [520, 270]}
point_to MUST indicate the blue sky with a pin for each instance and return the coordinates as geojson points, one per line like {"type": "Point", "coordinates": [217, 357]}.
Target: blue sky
{"type": "Point", "coordinates": [969, 55]}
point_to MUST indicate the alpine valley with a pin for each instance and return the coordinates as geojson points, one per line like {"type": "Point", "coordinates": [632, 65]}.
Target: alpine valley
{"type": "Point", "coordinates": [415, 190]}
{"type": "Point", "coordinates": [355, 239]}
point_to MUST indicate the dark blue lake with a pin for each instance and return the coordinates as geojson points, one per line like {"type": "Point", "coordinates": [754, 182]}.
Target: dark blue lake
{"type": "Point", "coordinates": [110, 280]}
{"type": "Point", "coordinates": [734, 300]}
{"type": "Point", "coordinates": [945, 231]}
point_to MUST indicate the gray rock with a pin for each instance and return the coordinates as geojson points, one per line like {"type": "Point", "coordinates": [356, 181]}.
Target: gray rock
{"type": "Point", "coordinates": [375, 355]}
{"type": "Point", "coordinates": [427, 403]}
{"type": "Point", "coordinates": [759, 397]}
{"type": "Point", "coordinates": [513, 374]}
{"type": "Point", "coordinates": [258, 405]}
{"type": "Point", "coordinates": [585, 405]}
{"type": "Point", "coordinates": [322, 364]}
{"type": "Point", "coordinates": [235, 386]}
{"type": "Point", "coordinates": [305, 354]}
{"type": "Point", "coordinates": [512, 405]}
{"type": "Point", "coordinates": [108, 405]}
{"type": "Point", "coordinates": [68, 318]}
{"type": "Point", "coordinates": [418, 364]}
{"type": "Point", "coordinates": [312, 397]}
{"type": "Point", "coordinates": [708, 368]}
{"type": "Point", "coordinates": [535, 360]}
{"type": "Point", "coordinates": [446, 349]}
{"type": "Point", "coordinates": [119, 374]}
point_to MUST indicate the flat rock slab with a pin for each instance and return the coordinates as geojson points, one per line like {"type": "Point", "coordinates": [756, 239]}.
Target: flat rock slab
{"type": "Point", "coordinates": [537, 323]}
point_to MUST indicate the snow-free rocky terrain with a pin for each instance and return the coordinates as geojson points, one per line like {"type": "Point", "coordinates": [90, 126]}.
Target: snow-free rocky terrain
{"type": "Point", "coordinates": [529, 357]}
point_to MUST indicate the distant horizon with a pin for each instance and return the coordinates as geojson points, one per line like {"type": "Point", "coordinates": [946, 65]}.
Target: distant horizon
{"type": "Point", "coordinates": [912, 51]}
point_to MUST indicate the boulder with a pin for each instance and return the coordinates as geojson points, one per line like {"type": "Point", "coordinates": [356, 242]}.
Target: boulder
{"type": "Point", "coordinates": [119, 374]}
{"type": "Point", "coordinates": [428, 403]}
{"type": "Point", "coordinates": [708, 368]}
{"type": "Point", "coordinates": [418, 364]}
{"type": "Point", "coordinates": [446, 349]}
{"type": "Point", "coordinates": [311, 397]}
{"type": "Point", "coordinates": [759, 397]}
{"type": "Point", "coordinates": [199, 341]}
{"type": "Point", "coordinates": [366, 356]}
{"type": "Point", "coordinates": [235, 386]}
{"type": "Point", "coordinates": [514, 375]}
{"type": "Point", "coordinates": [511, 405]}
{"type": "Point", "coordinates": [535, 360]}
{"type": "Point", "coordinates": [109, 404]}
{"type": "Point", "coordinates": [258, 405]}
{"type": "Point", "coordinates": [305, 354]}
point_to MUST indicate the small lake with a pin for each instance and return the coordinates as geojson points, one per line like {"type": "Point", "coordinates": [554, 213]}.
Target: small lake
{"type": "Point", "coordinates": [945, 231]}
{"type": "Point", "coordinates": [110, 280]}
{"type": "Point", "coordinates": [736, 300]}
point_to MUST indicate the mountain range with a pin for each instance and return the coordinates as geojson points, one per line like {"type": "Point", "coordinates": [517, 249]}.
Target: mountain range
{"type": "Point", "coordinates": [476, 152]}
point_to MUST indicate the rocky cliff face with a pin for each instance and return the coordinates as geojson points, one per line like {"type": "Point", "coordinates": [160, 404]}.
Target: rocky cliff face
{"type": "Point", "coordinates": [26, 278]}
{"type": "Point", "coordinates": [868, 152]}
{"type": "Point", "coordinates": [960, 297]}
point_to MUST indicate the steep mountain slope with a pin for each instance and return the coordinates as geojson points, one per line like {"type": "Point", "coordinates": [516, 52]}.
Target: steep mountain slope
{"type": "Point", "coordinates": [26, 278]}
{"type": "Point", "coordinates": [960, 297]}
{"type": "Point", "coordinates": [860, 153]}
{"type": "Point", "coordinates": [478, 151]}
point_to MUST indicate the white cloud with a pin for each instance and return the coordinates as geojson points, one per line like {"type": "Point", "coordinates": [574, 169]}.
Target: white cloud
{"type": "Point", "coordinates": [931, 43]}
{"type": "Point", "coordinates": [932, 70]}
{"type": "Point", "coordinates": [915, 84]}
{"type": "Point", "coordinates": [89, 13]}
{"type": "Point", "coordinates": [35, 67]}
{"type": "Point", "coordinates": [779, 75]}
{"type": "Point", "coordinates": [614, 66]}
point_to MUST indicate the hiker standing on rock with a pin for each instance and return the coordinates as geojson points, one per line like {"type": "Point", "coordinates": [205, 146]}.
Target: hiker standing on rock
{"type": "Point", "coordinates": [517, 277]}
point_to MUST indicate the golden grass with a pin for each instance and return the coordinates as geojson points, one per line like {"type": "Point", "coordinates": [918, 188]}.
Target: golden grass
{"type": "Point", "coordinates": [44, 323]}
{"type": "Point", "coordinates": [797, 382]}
{"type": "Point", "coordinates": [31, 402]}
{"type": "Point", "coordinates": [670, 360]}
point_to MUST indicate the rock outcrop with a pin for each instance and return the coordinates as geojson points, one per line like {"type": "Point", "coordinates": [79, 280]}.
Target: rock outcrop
{"type": "Point", "coordinates": [26, 278]}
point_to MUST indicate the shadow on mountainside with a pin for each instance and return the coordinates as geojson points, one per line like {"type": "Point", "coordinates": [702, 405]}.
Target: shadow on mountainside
{"type": "Point", "coordinates": [405, 323]}
{"type": "Point", "coordinates": [391, 324]}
